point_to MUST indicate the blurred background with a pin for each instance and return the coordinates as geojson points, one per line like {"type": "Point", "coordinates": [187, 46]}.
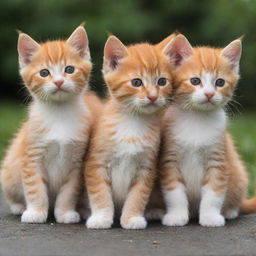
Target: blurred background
{"type": "Point", "coordinates": [212, 22]}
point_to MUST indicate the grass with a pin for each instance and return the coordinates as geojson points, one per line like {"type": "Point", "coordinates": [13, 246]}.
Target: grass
{"type": "Point", "coordinates": [242, 127]}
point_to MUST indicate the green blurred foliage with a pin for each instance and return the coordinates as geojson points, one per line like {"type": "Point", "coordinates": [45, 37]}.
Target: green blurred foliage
{"type": "Point", "coordinates": [204, 22]}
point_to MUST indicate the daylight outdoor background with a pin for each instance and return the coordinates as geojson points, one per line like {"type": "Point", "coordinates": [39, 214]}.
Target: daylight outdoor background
{"type": "Point", "coordinates": [211, 22]}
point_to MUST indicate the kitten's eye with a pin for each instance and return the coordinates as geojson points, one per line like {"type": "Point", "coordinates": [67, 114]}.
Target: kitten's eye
{"type": "Point", "coordinates": [195, 81]}
{"type": "Point", "coordinates": [220, 82]}
{"type": "Point", "coordinates": [137, 82]}
{"type": "Point", "coordinates": [69, 69]}
{"type": "Point", "coordinates": [44, 72]}
{"type": "Point", "coordinates": [162, 81]}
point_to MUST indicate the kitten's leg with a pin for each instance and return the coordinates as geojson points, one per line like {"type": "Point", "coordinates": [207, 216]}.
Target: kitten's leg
{"type": "Point", "coordinates": [100, 195]}
{"type": "Point", "coordinates": [213, 192]}
{"type": "Point", "coordinates": [176, 202]}
{"type": "Point", "coordinates": [35, 190]}
{"type": "Point", "coordinates": [133, 210]}
{"type": "Point", "coordinates": [173, 187]}
{"type": "Point", "coordinates": [12, 188]}
{"type": "Point", "coordinates": [67, 198]}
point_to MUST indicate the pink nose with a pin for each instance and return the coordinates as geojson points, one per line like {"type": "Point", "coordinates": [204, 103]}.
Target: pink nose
{"type": "Point", "coordinates": [58, 83]}
{"type": "Point", "coordinates": [209, 95]}
{"type": "Point", "coordinates": [152, 98]}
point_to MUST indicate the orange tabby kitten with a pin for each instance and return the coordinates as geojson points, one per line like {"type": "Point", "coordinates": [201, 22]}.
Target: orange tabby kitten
{"type": "Point", "coordinates": [43, 166]}
{"type": "Point", "coordinates": [120, 169]}
{"type": "Point", "coordinates": [200, 167]}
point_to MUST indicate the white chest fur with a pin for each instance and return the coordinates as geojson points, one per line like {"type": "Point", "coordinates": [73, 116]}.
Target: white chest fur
{"type": "Point", "coordinates": [129, 152]}
{"type": "Point", "coordinates": [196, 135]}
{"type": "Point", "coordinates": [63, 125]}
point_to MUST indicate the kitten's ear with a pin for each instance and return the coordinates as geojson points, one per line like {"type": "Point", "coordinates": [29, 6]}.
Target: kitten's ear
{"type": "Point", "coordinates": [164, 42]}
{"type": "Point", "coordinates": [232, 53]}
{"type": "Point", "coordinates": [27, 47]}
{"type": "Point", "coordinates": [178, 49]}
{"type": "Point", "coordinates": [79, 41]}
{"type": "Point", "coordinates": [114, 51]}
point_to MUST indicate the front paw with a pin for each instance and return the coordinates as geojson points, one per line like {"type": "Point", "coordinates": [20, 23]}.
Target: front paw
{"type": "Point", "coordinates": [177, 218]}
{"type": "Point", "coordinates": [99, 221]}
{"type": "Point", "coordinates": [138, 222]}
{"type": "Point", "coordinates": [67, 217]}
{"type": "Point", "coordinates": [34, 216]}
{"type": "Point", "coordinates": [211, 220]}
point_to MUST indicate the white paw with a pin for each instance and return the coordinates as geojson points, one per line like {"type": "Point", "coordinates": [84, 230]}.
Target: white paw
{"type": "Point", "coordinates": [68, 217]}
{"type": "Point", "coordinates": [175, 218]}
{"type": "Point", "coordinates": [34, 216]}
{"type": "Point", "coordinates": [231, 213]}
{"type": "Point", "coordinates": [17, 209]}
{"type": "Point", "coordinates": [211, 220]}
{"type": "Point", "coordinates": [99, 221]}
{"type": "Point", "coordinates": [134, 223]}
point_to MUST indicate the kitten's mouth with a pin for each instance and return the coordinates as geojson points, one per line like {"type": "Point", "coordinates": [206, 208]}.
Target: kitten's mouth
{"type": "Point", "coordinates": [59, 90]}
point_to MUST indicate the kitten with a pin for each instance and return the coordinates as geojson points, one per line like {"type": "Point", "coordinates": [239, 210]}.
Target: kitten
{"type": "Point", "coordinates": [43, 166]}
{"type": "Point", "coordinates": [200, 167]}
{"type": "Point", "coordinates": [120, 169]}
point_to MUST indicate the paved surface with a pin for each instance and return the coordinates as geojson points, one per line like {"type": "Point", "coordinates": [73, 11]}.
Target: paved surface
{"type": "Point", "coordinates": [237, 238]}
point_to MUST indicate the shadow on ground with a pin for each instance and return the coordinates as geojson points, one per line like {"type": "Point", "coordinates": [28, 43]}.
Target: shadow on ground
{"type": "Point", "coordinates": [238, 237]}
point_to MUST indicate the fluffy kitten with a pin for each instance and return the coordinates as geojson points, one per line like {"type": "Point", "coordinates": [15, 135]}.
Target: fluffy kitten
{"type": "Point", "coordinates": [43, 166]}
{"type": "Point", "coordinates": [120, 169]}
{"type": "Point", "coordinates": [200, 167]}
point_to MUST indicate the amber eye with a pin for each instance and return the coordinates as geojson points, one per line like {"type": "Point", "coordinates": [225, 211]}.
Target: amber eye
{"type": "Point", "coordinates": [220, 82]}
{"type": "Point", "coordinates": [69, 69]}
{"type": "Point", "coordinates": [137, 82]}
{"type": "Point", "coordinates": [162, 81]}
{"type": "Point", "coordinates": [195, 81]}
{"type": "Point", "coordinates": [44, 72]}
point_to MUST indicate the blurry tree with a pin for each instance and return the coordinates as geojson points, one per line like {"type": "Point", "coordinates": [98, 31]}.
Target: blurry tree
{"type": "Point", "coordinates": [211, 22]}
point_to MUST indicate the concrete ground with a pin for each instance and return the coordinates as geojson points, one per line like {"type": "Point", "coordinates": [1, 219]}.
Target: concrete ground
{"type": "Point", "coordinates": [238, 237]}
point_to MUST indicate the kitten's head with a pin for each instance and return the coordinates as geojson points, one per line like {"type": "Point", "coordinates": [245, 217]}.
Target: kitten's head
{"type": "Point", "coordinates": [139, 76]}
{"type": "Point", "coordinates": [55, 70]}
{"type": "Point", "coordinates": [205, 78]}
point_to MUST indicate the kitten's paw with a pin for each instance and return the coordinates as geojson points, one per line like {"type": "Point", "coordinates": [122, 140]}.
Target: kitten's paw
{"type": "Point", "coordinates": [34, 216]}
{"type": "Point", "coordinates": [99, 221]}
{"type": "Point", "coordinates": [138, 222]}
{"type": "Point", "coordinates": [211, 220]}
{"type": "Point", "coordinates": [231, 213]}
{"type": "Point", "coordinates": [177, 218]}
{"type": "Point", "coordinates": [68, 217]}
{"type": "Point", "coordinates": [17, 209]}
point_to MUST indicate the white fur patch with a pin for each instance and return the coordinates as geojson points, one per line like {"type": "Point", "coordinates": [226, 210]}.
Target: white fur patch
{"type": "Point", "coordinates": [177, 207]}
{"type": "Point", "coordinates": [34, 216]}
{"type": "Point", "coordinates": [138, 222]}
{"type": "Point", "coordinates": [64, 123]}
{"type": "Point", "coordinates": [100, 219]}
{"type": "Point", "coordinates": [196, 135]}
{"type": "Point", "coordinates": [210, 208]}
{"type": "Point", "coordinates": [128, 156]}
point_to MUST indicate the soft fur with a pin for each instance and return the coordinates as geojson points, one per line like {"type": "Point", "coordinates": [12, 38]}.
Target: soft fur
{"type": "Point", "coordinates": [121, 166]}
{"type": "Point", "coordinates": [43, 166]}
{"type": "Point", "coordinates": [200, 168]}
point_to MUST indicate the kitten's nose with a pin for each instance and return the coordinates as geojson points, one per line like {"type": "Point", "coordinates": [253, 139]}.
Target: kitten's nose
{"type": "Point", "coordinates": [58, 83]}
{"type": "Point", "coordinates": [209, 95]}
{"type": "Point", "coordinates": [152, 98]}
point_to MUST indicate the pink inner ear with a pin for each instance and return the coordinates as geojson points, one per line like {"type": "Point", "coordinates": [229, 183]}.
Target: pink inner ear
{"type": "Point", "coordinates": [114, 51]}
{"type": "Point", "coordinates": [27, 48]}
{"type": "Point", "coordinates": [178, 50]}
{"type": "Point", "coordinates": [79, 41]}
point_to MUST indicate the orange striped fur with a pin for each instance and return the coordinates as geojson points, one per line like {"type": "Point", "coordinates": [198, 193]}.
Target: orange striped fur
{"type": "Point", "coordinates": [43, 166]}
{"type": "Point", "coordinates": [201, 170]}
{"type": "Point", "coordinates": [121, 165]}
